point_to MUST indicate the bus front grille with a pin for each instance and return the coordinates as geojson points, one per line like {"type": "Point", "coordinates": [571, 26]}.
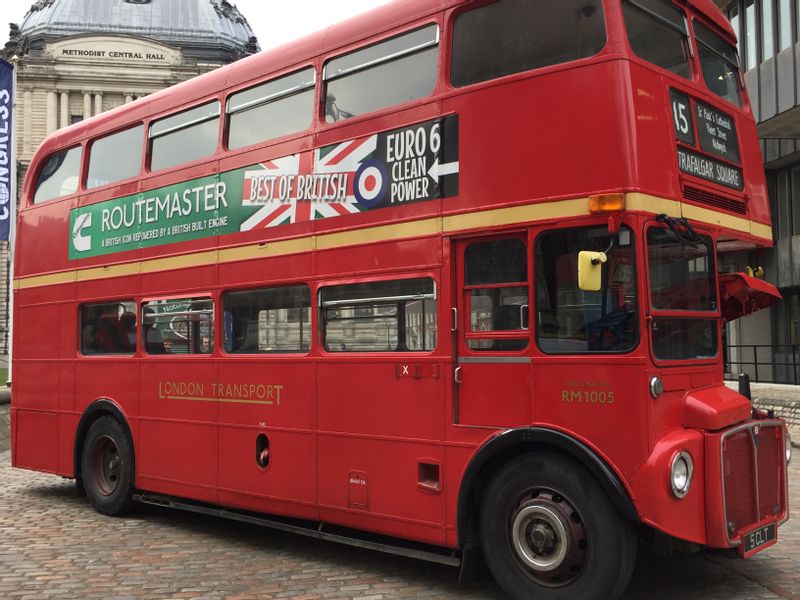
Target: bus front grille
{"type": "Point", "coordinates": [753, 475]}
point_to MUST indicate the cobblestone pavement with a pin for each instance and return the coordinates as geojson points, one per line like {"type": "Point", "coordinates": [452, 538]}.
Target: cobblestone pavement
{"type": "Point", "coordinates": [53, 545]}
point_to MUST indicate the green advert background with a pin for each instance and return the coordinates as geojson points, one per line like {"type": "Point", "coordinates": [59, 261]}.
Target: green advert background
{"type": "Point", "coordinates": [185, 223]}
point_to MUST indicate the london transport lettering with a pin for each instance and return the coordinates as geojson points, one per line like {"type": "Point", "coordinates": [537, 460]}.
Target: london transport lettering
{"type": "Point", "coordinates": [413, 164]}
{"type": "Point", "coordinates": [233, 393]}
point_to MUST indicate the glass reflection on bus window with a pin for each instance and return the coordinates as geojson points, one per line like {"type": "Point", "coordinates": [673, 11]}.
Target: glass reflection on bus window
{"type": "Point", "coordinates": [108, 328]}
{"type": "Point", "coordinates": [115, 157]}
{"type": "Point", "coordinates": [657, 33]}
{"type": "Point", "coordinates": [185, 137]}
{"type": "Point", "coordinates": [720, 64]}
{"type": "Point", "coordinates": [512, 36]}
{"type": "Point", "coordinates": [59, 176]}
{"type": "Point", "coordinates": [268, 321]}
{"type": "Point", "coordinates": [180, 326]}
{"type": "Point", "coordinates": [682, 274]}
{"type": "Point", "coordinates": [575, 321]}
{"type": "Point", "coordinates": [382, 316]}
{"type": "Point", "coordinates": [391, 72]}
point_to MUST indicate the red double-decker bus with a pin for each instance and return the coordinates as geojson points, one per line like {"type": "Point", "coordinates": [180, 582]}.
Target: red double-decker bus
{"type": "Point", "coordinates": [445, 273]}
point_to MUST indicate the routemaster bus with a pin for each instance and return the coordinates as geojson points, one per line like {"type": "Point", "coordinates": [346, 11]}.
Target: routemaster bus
{"type": "Point", "coordinates": [442, 279]}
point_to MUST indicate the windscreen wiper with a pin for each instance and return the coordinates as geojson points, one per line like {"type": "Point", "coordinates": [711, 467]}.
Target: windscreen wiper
{"type": "Point", "coordinates": [679, 230]}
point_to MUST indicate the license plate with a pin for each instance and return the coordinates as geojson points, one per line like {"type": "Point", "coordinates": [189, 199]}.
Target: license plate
{"type": "Point", "coordinates": [758, 538]}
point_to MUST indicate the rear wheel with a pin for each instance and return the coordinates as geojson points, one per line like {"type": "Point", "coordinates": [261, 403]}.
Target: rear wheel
{"type": "Point", "coordinates": [549, 532]}
{"type": "Point", "coordinates": [107, 467]}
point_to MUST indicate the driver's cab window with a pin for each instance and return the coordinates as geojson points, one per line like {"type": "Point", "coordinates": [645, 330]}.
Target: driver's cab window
{"type": "Point", "coordinates": [574, 321]}
{"type": "Point", "coordinates": [496, 294]}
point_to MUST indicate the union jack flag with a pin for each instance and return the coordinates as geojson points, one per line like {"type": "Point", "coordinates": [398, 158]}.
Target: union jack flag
{"type": "Point", "coordinates": [343, 160]}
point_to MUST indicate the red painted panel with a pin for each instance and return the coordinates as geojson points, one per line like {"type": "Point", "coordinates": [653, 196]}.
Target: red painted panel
{"type": "Point", "coordinates": [497, 395]}
{"type": "Point", "coordinates": [182, 456]}
{"type": "Point", "coordinates": [392, 475]}
{"type": "Point", "coordinates": [179, 280]}
{"type": "Point", "coordinates": [110, 287]}
{"type": "Point", "coordinates": [67, 428]}
{"type": "Point", "coordinates": [115, 379]}
{"type": "Point", "coordinates": [38, 332]}
{"type": "Point", "coordinates": [36, 443]}
{"type": "Point", "coordinates": [266, 271]}
{"type": "Point", "coordinates": [593, 400]}
{"type": "Point", "coordinates": [388, 255]}
{"type": "Point", "coordinates": [289, 476]}
{"type": "Point", "coordinates": [36, 384]}
{"type": "Point", "coordinates": [367, 397]}
{"type": "Point", "coordinates": [283, 389]}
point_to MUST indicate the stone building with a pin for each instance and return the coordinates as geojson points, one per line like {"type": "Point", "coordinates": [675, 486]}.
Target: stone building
{"type": "Point", "coordinates": [78, 58]}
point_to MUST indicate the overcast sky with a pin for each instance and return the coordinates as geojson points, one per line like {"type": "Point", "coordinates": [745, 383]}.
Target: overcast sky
{"type": "Point", "coordinates": [274, 21]}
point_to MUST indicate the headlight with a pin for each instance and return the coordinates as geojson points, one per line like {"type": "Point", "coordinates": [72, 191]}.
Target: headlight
{"type": "Point", "coordinates": [788, 447]}
{"type": "Point", "coordinates": [656, 387]}
{"type": "Point", "coordinates": [680, 475]}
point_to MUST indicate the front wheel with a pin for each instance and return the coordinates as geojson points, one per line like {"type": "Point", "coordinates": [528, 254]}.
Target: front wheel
{"type": "Point", "coordinates": [107, 467]}
{"type": "Point", "coordinates": [549, 532]}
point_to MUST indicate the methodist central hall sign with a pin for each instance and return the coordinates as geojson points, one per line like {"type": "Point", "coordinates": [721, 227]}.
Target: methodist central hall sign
{"type": "Point", "coordinates": [115, 49]}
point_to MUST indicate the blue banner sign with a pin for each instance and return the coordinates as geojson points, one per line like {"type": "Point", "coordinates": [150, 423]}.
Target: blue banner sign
{"type": "Point", "coordinates": [6, 146]}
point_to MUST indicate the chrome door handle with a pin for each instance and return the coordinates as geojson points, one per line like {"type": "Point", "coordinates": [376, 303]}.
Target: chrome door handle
{"type": "Point", "coordinates": [457, 375]}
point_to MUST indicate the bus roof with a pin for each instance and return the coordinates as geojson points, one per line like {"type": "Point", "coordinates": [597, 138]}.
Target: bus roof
{"type": "Point", "coordinates": [714, 14]}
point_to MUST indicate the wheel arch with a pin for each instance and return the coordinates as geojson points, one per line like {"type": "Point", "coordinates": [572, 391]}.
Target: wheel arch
{"type": "Point", "coordinates": [515, 442]}
{"type": "Point", "coordinates": [97, 409]}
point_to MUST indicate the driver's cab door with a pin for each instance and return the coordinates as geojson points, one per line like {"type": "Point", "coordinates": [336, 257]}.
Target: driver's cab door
{"type": "Point", "coordinates": [493, 362]}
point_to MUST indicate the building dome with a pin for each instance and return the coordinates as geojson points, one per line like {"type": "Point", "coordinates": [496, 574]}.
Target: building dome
{"type": "Point", "coordinates": [202, 29]}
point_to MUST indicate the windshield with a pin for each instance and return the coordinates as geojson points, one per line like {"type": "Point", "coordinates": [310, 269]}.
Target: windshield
{"type": "Point", "coordinates": [682, 275]}
{"type": "Point", "coordinates": [657, 33]}
{"type": "Point", "coordinates": [682, 278]}
{"type": "Point", "coordinates": [571, 320]}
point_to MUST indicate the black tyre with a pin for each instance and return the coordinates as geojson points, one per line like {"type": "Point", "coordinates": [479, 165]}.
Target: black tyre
{"type": "Point", "coordinates": [549, 532]}
{"type": "Point", "coordinates": [107, 467]}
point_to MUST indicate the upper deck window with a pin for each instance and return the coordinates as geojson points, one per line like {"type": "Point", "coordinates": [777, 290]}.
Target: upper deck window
{"type": "Point", "coordinates": [397, 70]}
{"type": "Point", "coordinates": [115, 157]}
{"type": "Point", "coordinates": [657, 32]}
{"type": "Point", "coordinates": [185, 137]}
{"type": "Point", "coordinates": [273, 109]}
{"type": "Point", "coordinates": [59, 175]}
{"type": "Point", "coordinates": [720, 64]}
{"type": "Point", "coordinates": [512, 36]}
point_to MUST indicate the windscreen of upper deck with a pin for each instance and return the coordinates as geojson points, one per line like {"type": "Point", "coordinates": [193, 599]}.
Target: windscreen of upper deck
{"type": "Point", "coordinates": [658, 32]}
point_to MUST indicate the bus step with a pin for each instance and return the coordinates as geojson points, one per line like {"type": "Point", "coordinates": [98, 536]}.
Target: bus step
{"type": "Point", "coordinates": [310, 529]}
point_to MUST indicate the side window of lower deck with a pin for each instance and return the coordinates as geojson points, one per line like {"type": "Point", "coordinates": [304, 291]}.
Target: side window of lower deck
{"type": "Point", "coordinates": [496, 289]}
{"type": "Point", "coordinates": [178, 326]}
{"type": "Point", "coordinates": [268, 321]}
{"type": "Point", "coordinates": [381, 316]}
{"type": "Point", "coordinates": [574, 321]}
{"type": "Point", "coordinates": [108, 328]}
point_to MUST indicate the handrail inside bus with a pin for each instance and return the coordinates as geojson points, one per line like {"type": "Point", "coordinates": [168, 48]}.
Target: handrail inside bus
{"type": "Point", "coordinates": [380, 299]}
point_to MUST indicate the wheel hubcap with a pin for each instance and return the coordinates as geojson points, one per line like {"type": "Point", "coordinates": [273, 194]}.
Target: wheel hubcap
{"type": "Point", "coordinates": [548, 538]}
{"type": "Point", "coordinates": [107, 465]}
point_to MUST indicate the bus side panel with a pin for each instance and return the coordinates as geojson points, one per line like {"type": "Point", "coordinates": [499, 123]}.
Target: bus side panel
{"type": "Point", "coordinates": [374, 485]}
{"type": "Point", "coordinates": [117, 287]}
{"type": "Point", "coordinates": [387, 255]}
{"type": "Point", "coordinates": [378, 421]}
{"type": "Point", "coordinates": [274, 398]}
{"type": "Point", "coordinates": [177, 449]}
{"type": "Point", "coordinates": [254, 273]}
{"type": "Point", "coordinates": [36, 443]}
{"type": "Point", "coordinates": [545, 144]}
{"type": "Point", "coordinates": [42, 224]}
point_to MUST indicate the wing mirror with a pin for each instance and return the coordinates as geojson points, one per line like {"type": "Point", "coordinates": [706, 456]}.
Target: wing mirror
{"type": "Point", "coordinates": [590, 270]}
